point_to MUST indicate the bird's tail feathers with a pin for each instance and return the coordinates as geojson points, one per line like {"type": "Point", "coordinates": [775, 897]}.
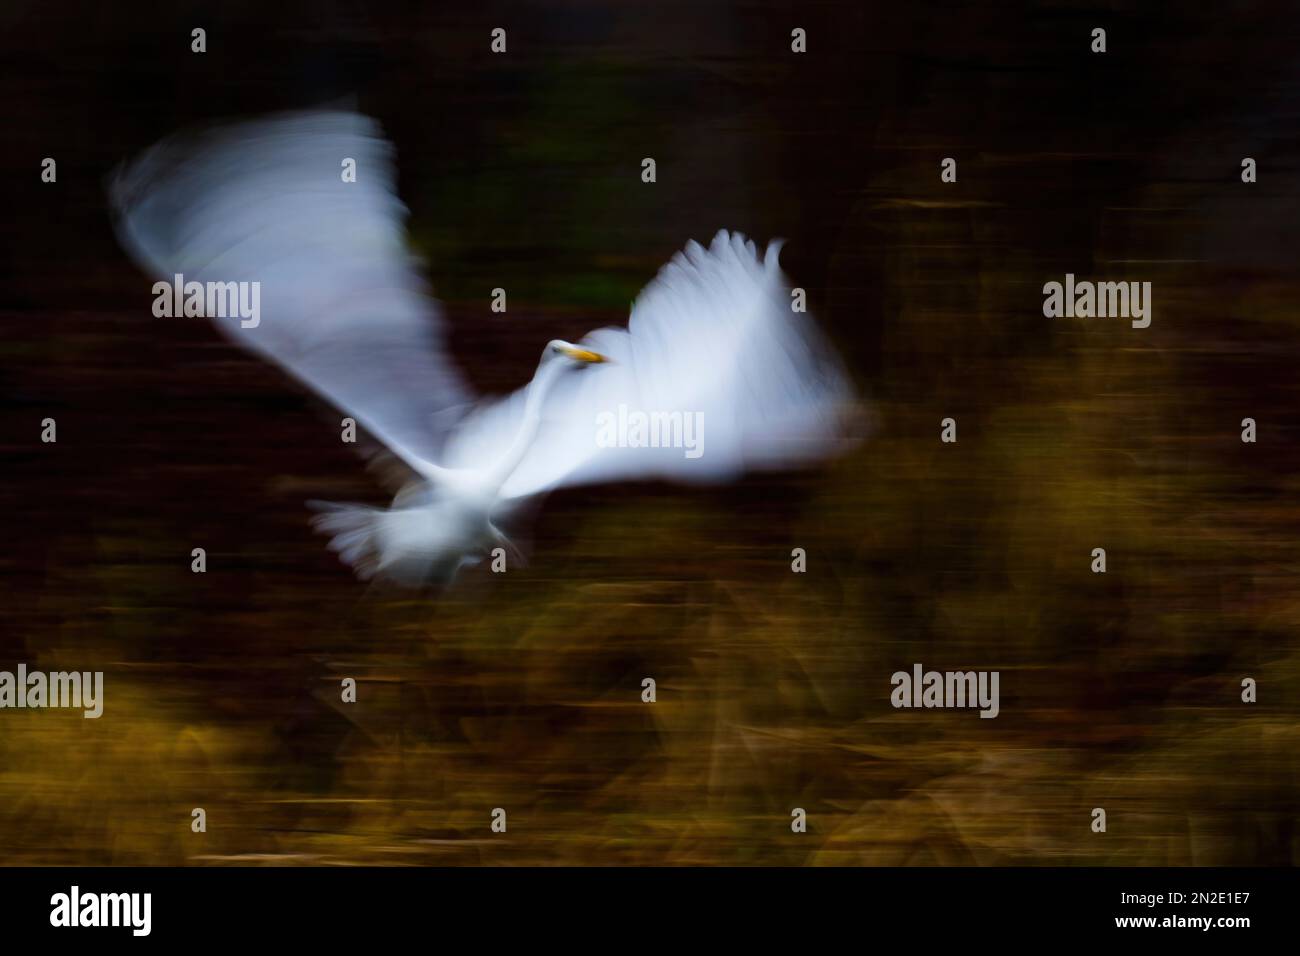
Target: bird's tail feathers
{"type": "Point", "coordinates": [407, 546]}
{"type": "Point", "coordinates": [353, 531]}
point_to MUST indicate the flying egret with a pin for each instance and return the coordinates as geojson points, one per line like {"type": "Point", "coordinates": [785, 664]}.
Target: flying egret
{"type": "Point", "coordinates": [343, 308]}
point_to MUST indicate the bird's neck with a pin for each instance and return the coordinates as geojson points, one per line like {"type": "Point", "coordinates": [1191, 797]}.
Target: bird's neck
{"type": "Point", "coordinates": [547, 375]}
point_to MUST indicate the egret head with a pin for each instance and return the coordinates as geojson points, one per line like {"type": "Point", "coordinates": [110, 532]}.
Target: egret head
{"type": "Point", "coordinates": [572, 354]}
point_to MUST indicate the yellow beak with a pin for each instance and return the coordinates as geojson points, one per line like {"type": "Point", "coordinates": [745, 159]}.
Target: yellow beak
{"type": "Point", "coordinates": [584, 355]}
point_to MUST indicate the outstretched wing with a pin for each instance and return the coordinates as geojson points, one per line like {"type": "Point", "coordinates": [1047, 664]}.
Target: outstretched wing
{"type": "Point", "coordinates": [342, 304]}
{"type": "Point", "coordinates": [715, 367]}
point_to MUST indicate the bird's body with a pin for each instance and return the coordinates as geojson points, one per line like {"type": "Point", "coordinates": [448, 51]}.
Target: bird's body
{"type": "Point", "coordinates": [429, 540]}
{"type": "Point", "coordinates": [713, 337]}
{"type": "Point", "coordinates": [442, 519]}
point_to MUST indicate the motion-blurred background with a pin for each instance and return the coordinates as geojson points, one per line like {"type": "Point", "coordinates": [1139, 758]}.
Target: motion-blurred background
{"type": "Point", "coordinates": [522, 690]}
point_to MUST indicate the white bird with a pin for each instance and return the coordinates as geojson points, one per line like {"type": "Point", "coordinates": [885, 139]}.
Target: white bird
{"type": "Point", "coordinates": [712, 340]}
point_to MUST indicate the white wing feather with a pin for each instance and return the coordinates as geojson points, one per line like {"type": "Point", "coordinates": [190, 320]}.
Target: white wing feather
{"type": "Point", "coordinates": [712, 337]}
{"type": "Point", "coordinates": [342, 305]}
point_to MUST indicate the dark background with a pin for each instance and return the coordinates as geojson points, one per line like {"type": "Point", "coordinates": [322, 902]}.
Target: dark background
{"type": "Point", "coordinates": [522, 691]}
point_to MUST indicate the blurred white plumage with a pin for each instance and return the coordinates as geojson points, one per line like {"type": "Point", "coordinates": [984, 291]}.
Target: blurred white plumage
{"type": "Point", "coordinates": [344, 309]}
